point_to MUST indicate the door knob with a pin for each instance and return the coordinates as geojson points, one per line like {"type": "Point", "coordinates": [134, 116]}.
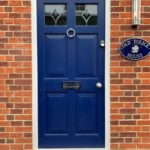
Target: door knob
{"type": "Point", "coordinates": [99, 85]}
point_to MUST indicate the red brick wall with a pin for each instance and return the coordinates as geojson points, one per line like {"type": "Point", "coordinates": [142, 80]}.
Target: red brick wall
{"type": "Point", "coordinates": [130, 81]}
{"type": "Point", "coordinates": [15, 75]}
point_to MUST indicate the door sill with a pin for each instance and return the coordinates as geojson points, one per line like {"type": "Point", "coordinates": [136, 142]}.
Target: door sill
{"type": "Point", "coordinates": [72, 149]}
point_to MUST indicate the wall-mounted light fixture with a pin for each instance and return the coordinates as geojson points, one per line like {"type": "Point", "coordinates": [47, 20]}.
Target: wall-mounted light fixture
{"type": "Point", "coordinates": [136, 11]}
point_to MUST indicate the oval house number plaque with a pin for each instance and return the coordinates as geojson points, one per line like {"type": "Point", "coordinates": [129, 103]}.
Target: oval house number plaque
{"type": "Point", "coordinates": [134, 49]}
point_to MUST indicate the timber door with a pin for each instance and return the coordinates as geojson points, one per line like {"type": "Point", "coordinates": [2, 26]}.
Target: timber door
{"type": "Point", "coordinates": [71, 73]}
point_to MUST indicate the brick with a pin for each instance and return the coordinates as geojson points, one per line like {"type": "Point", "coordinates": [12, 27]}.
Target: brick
{"type": "Point", "coordinates": [15, 52]}
{"type": "Point", "coordinates": [27, 134]}
{"type": "Point", "coordinates": [143, 99]}
{"type": "Point", "coordinates": [23, 117]}
{"type": "Point", "coordinates": [15, 3]}
{"type": "Point", "coordinates": [16, 123]}
{"type": "Point", "coordinates": [23, 58]}
{"type": "Point", "coordinates": [136, 117]}
{"type": "Point", "coordinates": [26, 3]}
{"type": "Point", "coordinates": [145, 75]}
{"type": "Point", "coordinates": [23, 141]}
{"type": "Point", "coordinates": [4, 146]}
{"type": "Point", "coordinates": [16, 111]}
{"type": "Point", "coordinates": [22, 9]}
{"type": "Point", "coordinates": [4, 135]}
{"type": "Point", "coordinates": [3, 3]}
{"type": "Point", "coordinates": [128, 134]}
{"type": "Point", "coordinates": [10, 117]}
{"type": "Point", "coordinates": [8, 9]}
{"type": "Point", "coordinates": [143, 146]}
{"type": "Point", "coordinates": [9, 82]}
{"type": "Point", "coordinates": [14, 15]}
{"type": "Point", "coordinates": [127, 111]}
{"type": "Point", "coordinates": [117, 9]}
{"type": "Point", "coordinates": [114, 123]}
{"type": "Point", "coordinates": [136, 105]}
{"type": "Point", "coordinates": [116, 81]}
{"type": "Point", "coordinates": [128, 146]}
{"type": "Point", "coordinates": [128, 87]}
{"type": "Point", "coordinates": [27, 75]}
{"type": "Point", "coordinates": [133, 75]}
{"type": "Point", "coordinates": [127, 99]}
{"type": "Point", "coordinates": [15, 75]}
{"type": "Point", "coordinates": [117, 140]}
{"type": "Point", "coordinates": [22, 34]}
{"type": "Point", "coordinates": [23, 129]}
{"type": "Point", "coordinates": [15, 88]}
{"type": "Point", "coordinates": [16, 135]}
{"type": "Point", "coordinates": [10, 140]}
{"type": "Point", "coordinates": [144, 122]}
{"type": "Point", "coordinates": [28, 146]}
{"type": "Point", "coordinates": [114, 117]}
{"type": "Point", "coordinates": [4, 99]}
{"type": "Point", "coordinates": [3, 28]}
{"type": "Point", "coordinates": [127, 122]}
{"type": "Point", "coordinates": [127, 116]}
{"type": "Point", "coordinates": [14, 28]}
{"type": "Point", "coordinates": [2, 129]}
{"type": "Point", "coordinates": [17, 147]}
{"type": "Point", "coordinates": [127, 94]}
{"type": "Point", "coordinates": [27, 88]}
{"type": "Point", "coordinates": [114, 134]}
{"type": "Point", "coordinates": [23, 105]}
{"type": "Point", "coordinates": [144, 87]}
{"type": "Point", "coordinates": [137, 93]}
{"type": "Point", "coordinates": [128, 140]}
{"type": "Point", "coordinates": [9, 105]}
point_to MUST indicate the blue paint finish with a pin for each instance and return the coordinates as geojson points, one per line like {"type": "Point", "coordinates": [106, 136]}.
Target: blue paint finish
{"type": "Point", "coordinates": [55, 109]}
{"type": "Point", "coordinates": [87, 101]}
{"type": "Point", "coordinates": [68, 117]}
{"type": "Point", "coordinates": [86, 55]}
{"type": "Point", "coordinates": [134, 49]}
{"type": "Point", "coordinates": [56, 57]}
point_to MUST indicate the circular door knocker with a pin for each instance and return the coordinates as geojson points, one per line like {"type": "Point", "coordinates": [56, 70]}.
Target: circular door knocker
{"type": "Point", "coordinates": [71, 32]}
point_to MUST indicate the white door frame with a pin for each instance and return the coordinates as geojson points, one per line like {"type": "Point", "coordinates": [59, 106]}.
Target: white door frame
{"type": "Point", "coordinates": [35, 79]}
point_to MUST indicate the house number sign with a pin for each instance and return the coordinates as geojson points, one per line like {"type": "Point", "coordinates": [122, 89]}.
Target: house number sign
{"type": "Point", "coordinates": [134, 49]}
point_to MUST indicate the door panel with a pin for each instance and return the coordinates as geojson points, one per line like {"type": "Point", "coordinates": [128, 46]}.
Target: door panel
{"type": "Point", "coordinates": [56, 107]}
{"type": "Point", "coordinates": [71, 115]}
{"type": "Point", "coordinates": [86, 55]}
{"type": "Point", "coordinates": [56, 57]}
{"type": "Point", "coordinates": [87, 101]}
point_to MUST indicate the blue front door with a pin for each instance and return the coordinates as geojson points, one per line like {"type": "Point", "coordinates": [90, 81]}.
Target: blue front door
{"type": "Point", "coordinates": [71, 73]}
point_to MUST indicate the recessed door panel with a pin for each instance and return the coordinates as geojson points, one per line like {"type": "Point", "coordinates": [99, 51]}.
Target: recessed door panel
{"type": "Point", "coordinates": [87, 120]}
{"type": "Point", "coordinates": [56, 107]}
{"type": "Point", "coordinates": [86, 59]}
{"type": "Point", "coordinates": [56, 55]}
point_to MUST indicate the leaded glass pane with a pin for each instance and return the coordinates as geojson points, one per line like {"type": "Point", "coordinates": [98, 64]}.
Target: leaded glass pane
{"type": "Point", "coordinates": [55, 14]}
{"type": "Point", "coordinates": [86, 14]}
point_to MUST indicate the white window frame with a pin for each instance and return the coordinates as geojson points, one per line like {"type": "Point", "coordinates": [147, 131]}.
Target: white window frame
{"type": "Point", "coordinates": [35, 80]}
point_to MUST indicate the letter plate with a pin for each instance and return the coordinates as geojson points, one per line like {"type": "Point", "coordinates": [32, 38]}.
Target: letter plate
{"type": "Point", "coordinates": [71, 85]}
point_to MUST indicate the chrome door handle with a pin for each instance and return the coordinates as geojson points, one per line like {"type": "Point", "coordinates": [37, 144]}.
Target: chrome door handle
{"type": "Point", "coordinates": [71, 32]}
{"type": "Point", "coordinates": [99, 85]}
{"type": "Point", "coordinates": [102, 43]}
